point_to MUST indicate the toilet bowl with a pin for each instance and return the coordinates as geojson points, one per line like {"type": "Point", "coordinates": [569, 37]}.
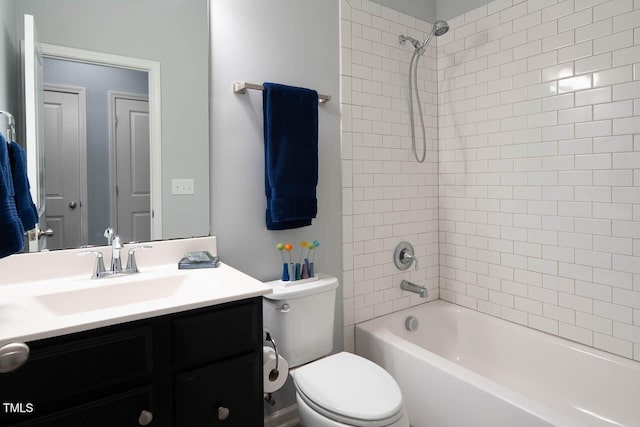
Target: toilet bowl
{"type": "Point", "coordinates": [347, 390]}
{"type": "Point", "coordinates": [332, 390]}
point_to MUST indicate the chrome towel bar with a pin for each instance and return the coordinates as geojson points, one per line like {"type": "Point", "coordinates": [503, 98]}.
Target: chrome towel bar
{"type": "Point", "coordinates": [241, 87]}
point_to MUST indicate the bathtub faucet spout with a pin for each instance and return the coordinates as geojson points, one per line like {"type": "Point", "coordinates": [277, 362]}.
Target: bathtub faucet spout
{"type": "Point", "coordinates": [405, 285]}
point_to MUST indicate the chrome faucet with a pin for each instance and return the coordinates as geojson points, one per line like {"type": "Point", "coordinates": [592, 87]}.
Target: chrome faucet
{"type": "Point", "coordinates": [116, 263]}
{"type": "Point", "coordinates": [405, 285]}
{"type": "Point", "coordinates": [116, 244]}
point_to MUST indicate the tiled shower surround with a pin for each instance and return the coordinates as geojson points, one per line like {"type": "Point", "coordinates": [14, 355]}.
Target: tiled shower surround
{"type": "Point", "coordinates": [539, 125]}
{"type": "Point", "coordinates": [538, 139]}
{"type": "Point", "coordinates": [387, 196]}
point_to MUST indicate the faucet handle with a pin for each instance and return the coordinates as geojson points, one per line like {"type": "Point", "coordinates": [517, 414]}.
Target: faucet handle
{"type": "Point", "coordinates": [116, 262]}
{"type": "Point", "coordinates": [109, 233]}
{"type": "Point", "coordinates": [99, 267]}
{"type": "Point", "coordinates": [132, 266]}
{"type": "Point", "coordinates": [409, 257]}
{"type": "Point", "coordinates": [404, 256]}
{"type": "Point", "coordinates": [116, 242]}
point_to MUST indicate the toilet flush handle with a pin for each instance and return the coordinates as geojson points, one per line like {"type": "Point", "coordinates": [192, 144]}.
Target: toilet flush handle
{"type": "Point", "coordinates": [284, 308]}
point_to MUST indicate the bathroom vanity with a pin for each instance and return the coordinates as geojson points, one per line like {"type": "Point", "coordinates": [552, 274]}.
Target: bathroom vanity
{"type": "Point", "coordinates": [164, 347]}
{"type": "Point", "coordinates": [200, 367]}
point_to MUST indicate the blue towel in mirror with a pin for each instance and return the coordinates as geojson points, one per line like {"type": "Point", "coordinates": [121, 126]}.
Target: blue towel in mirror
{"type": "Point", "coordinates": [24, 203]}
{"type": "Point", "coordinates": [11, 231]}
{"type": "Point", "coordinates": [291, 155]}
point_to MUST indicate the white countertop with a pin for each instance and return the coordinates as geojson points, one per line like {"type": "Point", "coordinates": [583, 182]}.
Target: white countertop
{"type": "Point", "coordinates": [48, 308]}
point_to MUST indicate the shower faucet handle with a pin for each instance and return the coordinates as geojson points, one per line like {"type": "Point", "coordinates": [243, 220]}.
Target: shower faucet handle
{"type": "Point", "coordinates": [404, 256]}
{"type": "Point", "coordinates": [409, 258]}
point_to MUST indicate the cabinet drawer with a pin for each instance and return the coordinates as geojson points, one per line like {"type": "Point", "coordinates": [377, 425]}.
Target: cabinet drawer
{"type": "Point", "coordinates": [207, 337]}
{"type": "Point", "coordinates": [122, 410]}
{"type": "Point", "coordinates": [234, 385]}
{"type": "Point", "coordinates": [76, 369]}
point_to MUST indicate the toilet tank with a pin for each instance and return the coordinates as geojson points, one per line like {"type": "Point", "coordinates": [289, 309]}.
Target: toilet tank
{"type": "Point", "coordinates": [303, 328]}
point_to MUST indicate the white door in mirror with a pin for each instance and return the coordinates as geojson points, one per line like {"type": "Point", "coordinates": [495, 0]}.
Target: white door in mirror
{"type": "Point", "coordinates": [33, 111]}
{"type": "Point", "coordinates": [132, 206]}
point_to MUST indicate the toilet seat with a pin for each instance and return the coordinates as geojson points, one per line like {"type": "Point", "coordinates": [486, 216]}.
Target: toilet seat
{"type": "Point", "coordinates": [351, 390]}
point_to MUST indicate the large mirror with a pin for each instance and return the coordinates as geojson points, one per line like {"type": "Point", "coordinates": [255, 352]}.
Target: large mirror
{"type": "Point", "coordinates": [157, 54]}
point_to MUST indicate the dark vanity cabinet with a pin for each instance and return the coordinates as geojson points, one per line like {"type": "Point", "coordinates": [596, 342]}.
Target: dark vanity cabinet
{"type": "Point", "coordinates": [190, 369]}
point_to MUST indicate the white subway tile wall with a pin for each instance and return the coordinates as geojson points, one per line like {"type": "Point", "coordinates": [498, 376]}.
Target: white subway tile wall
{"type": "Point", "coordinates": [539, 147]}
{"type": "Point", "coordinates": [387, 196]}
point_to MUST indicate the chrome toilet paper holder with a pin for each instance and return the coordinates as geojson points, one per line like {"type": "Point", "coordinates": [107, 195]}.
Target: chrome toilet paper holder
{"type": "Point", "coordinates": [274, 373]}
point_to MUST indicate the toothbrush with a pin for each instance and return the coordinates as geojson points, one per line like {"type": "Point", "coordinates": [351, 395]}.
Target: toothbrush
{"type": "Point", "coordinates": [303, 245]}
{"type": "Point", "coordinates": [304, 270]}
{"type": "Point", "coordinates": [288, 247]}
{"type": "Point", "coordinates": [315, 245]}
{"type": "Point", "coordinates": [310, 247]}
{"type": "Point", "coordinates": [307, 270]}
{"type": "Point", "coordinates": [285, 266]}
{"type": "Point", "coordinates": [310, 267]}
{"type": "Point", "coordinates": [280, 247]}
{"type": "Point", "coordinates": [292, 271]}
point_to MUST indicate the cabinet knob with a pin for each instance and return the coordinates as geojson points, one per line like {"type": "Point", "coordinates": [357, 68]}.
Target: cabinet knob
{"type": "Point", "coordinates": [12, 356]}
{"type": "Point", "coordinates": [223, 413]}
{"type": "Point", "coordinates": [145, 418]}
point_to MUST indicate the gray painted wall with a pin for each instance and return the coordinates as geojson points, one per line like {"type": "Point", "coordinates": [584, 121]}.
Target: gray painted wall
{"type": "Point", "coordinates": [447, 9]}
{"type": "Point", "coordinates": [98, 81]}
{"type": "Point", "coordinates": [175, 33]}
{"type": "Point", "coordinates": [423, 9]}
{"type": "Point", "coordinates": [8, 57]}
{"type": "Point", "coordinates": [430, 10]}
{"type": "Point", "coordinates": [293, 42]}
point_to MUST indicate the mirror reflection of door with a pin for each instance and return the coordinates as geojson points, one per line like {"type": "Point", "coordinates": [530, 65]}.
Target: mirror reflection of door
{"type": "Point", "coordinates": [131, 169]}
{"type": "Point", "coordinates": [32, 70]}
{"type": "Point", "coordinates": [65, 151]}
{"type": "Point", "coordinates": [83, 211]}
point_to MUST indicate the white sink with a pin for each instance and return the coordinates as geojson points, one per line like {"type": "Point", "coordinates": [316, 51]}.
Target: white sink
{"type": "Point", "coordinates": [111, 293]}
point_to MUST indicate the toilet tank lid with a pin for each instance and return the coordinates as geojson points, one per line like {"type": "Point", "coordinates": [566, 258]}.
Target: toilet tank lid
{"type": "Point", "coordinates": [323, 284]}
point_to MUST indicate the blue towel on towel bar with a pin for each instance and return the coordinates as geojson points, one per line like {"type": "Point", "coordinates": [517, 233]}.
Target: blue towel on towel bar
{"type": "Point", "coordinates": [11, 231]}
{"type": "Point", "coordinates": [291, 155]}
{"type": "Point", "coordinates": [24, 203]}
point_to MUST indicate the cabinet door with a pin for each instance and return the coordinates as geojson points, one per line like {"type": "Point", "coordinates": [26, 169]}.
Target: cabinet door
{"type": "Point", "coordinates": [207, 337]}
{"type": "Point", "coordinates": [72, 370]}
{"type": "Point", "coordinates": [232, 388]}
{"type": "Point", "coordinates": [122, 410]}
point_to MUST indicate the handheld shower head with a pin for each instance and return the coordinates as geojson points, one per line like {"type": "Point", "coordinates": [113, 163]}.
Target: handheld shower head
{"type": "Point", "coordinates": [440, 27]}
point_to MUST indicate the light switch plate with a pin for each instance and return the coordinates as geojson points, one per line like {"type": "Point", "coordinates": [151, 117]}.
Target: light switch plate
{"type": "Point", "coordinates": [182, 186]}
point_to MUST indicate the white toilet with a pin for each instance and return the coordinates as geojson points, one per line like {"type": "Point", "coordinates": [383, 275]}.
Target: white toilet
{"type": "Point", "coordinates": [338, 390]}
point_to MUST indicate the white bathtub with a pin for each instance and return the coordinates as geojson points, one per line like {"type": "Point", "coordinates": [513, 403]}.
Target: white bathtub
{"type": "Point", "coordinates": [462, 368]}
